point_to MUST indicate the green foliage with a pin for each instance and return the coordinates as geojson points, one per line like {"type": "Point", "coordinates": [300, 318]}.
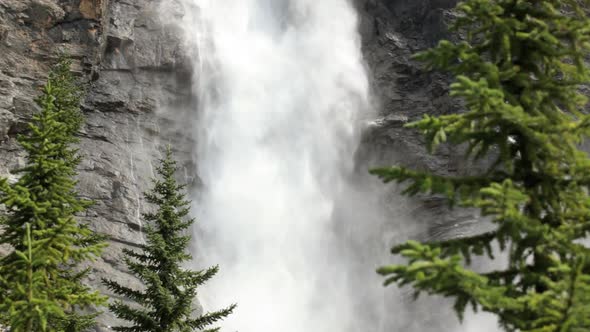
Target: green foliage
{"type": "Point", "coordinates": [166, 305]}
{"type": "Point", "coordinates": [519, 72]}
{"type": "Point", "coordinates": [30, 306]}
{"type": "Point", "coordinates": [68, 97]}
{"type": "Point", "coordinates": [45, 198]}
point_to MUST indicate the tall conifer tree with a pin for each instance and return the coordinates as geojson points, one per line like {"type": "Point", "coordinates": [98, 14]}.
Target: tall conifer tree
{"type": "Point", "coordinates": [519, 72]}
{"type": "Point", "coordinates": [166, 304]}
{"type": "Point", "coordinates": [44, 197]}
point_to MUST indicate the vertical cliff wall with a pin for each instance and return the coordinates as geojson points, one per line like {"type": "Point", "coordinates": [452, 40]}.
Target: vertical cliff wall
{"type": "Point", "coordinates": [129, 55]}
{"type": "Point", "coordinates": [393, 31]}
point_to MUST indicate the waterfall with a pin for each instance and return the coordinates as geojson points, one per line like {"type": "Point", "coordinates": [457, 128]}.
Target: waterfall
{"type": "Point", "coordinates": [280, 94]}
{"type": "Point", "coordinates": [282, 89]}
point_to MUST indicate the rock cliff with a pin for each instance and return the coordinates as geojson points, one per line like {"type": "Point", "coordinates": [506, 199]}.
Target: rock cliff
{"type": "Point", "coordinates": [392, 32]}
{"type": "Point", "coordinates": [133, 66]}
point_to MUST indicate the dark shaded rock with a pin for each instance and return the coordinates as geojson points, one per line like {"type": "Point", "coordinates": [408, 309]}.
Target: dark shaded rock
{"type": "Point", "coordinates": [44, 13]}
{"type": "Point", "coordinates": [118, 53]}
{"type": "Point", "coordinates": [394, 30]}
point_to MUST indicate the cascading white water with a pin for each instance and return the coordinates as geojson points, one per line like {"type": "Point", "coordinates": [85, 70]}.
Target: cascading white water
{"type": "Point", "coordinates": [281, 92]}
{"type": "Point", "coordinates": [281, 87]}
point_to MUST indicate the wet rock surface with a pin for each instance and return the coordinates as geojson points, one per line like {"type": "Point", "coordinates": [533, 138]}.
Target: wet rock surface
{"type": "Point", "coordinates": [394, 30]}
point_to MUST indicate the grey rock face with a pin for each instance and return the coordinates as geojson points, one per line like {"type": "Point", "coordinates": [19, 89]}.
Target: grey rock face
{"type": "Point", "coordinates": [392, 32]}
{"type": "Point", "coordinates": [134, 68]}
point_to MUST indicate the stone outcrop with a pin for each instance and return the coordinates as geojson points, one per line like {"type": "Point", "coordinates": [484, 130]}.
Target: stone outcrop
{"type": "Point", "coordinates": [392, 32]}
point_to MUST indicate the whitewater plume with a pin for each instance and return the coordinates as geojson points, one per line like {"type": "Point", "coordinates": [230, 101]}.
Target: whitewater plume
{"type": "Point", "coordinates": [281, 87]}
{"type": "Point", "coordinates": [281, 92]}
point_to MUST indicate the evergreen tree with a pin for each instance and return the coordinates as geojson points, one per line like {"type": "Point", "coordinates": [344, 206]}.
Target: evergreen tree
{"type": "Point", "coordinates": [68, 97]}
{"type": "Point", "coordinates": [30, 306]}
{"type": "Point", "coordinates": [519, 72]}
{"type": "Point", "coordinates": [45, 198]}
{"type": "Point", "coordinates": [166, 303]}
